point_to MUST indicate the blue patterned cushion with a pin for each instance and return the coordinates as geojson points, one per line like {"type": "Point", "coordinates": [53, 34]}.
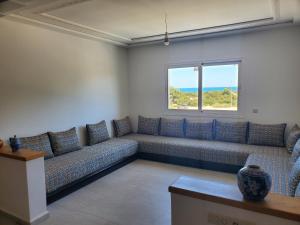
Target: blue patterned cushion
{"type": "Point", "coordinates": [97, 133]}
{"type": "Point", "coordinates": [199, 130]}
{"type": "Point", "coordinates": [296, 152]}
{"type": "Point", "coordinates": [231, 132]}
{"type": "Point", "coordinates": [122, 127]}
{"type": "Point", "coordinates": [172, 127]}
{"type": "Point", "coordinates": [148, 125]}
{"type": "Point", "coordinates": [292, 138]}
{"type": "Point", "coordinates": [294, 178]}
{"type": "Point", "coordinates": [297, 192]}
{"type": "Point", "coordinates": [270, 135]}
{"type": "Point", "coordinates": [38, 143]}
{"type": "Point", "coordinates": [64, 142]}
{"type": "Point", "coordinates": [64, 169]}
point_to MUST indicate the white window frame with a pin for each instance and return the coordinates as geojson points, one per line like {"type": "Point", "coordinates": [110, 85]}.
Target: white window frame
{"type": "Point", "coordinates": [174, 66]}
{"type": "Point", "coordinates": [200, 70]}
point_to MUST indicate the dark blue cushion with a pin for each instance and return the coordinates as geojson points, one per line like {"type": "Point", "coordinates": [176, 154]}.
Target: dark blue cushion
{"type": "Point", "coordinates": [199, 130]}
{"type": "Point", "coordinates": [172, 127]}
{"type": "Point", "coordinates": [231, 131]}
{"type": "Point", "coordinates": [148, 125]}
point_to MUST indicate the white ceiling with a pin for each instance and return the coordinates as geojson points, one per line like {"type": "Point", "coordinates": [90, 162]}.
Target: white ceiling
{"type": "Point", "coordinates": [129, 21]}
{"type": "Point", "coordinates": [141, 18]}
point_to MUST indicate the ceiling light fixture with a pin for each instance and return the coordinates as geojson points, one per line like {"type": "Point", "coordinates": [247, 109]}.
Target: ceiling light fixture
{"type": "Point", "coordinates": [166, 40]}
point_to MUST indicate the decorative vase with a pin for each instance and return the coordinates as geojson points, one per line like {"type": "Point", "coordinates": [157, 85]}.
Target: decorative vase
{"type": "Point", "coordinates": [254, 183]}
{"type": "Point", "coordinates": [14, 143]}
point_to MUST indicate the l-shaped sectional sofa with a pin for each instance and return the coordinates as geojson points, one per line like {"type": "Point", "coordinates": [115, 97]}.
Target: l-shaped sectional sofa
{"type": "Point", "coordinates": [215, 145]}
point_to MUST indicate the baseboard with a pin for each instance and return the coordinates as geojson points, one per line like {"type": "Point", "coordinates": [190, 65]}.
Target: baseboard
{"type": "Point", "coordinates": [13, 219]}
{"type": "Point", "coordinates": [40, 218]}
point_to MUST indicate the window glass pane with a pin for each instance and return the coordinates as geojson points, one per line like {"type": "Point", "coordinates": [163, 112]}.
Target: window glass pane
{"type": "Point", "coordinates": [220, 87]}
{"type": "Point", "coordinates": [183, 88]}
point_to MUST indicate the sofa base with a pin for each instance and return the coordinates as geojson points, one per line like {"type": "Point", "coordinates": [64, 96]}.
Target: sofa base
{"type": "Point", "coordinates": [71, 187]}
{"type": "Point", "coordinates": [190, 162]}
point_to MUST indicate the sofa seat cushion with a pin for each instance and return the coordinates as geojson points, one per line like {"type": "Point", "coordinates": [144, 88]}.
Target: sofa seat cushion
{"type": "Point", "coordinates": [211, 151]}
{"type": "Point", "coordinates": [278, 167]}
{"type": "Point", "coordinates": [64, 169]}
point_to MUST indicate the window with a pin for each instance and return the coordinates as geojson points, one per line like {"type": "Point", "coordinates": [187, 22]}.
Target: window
{"type": "Point", "coordinates": [218, 88]}
{"type": "Point", "coordinates": [183, 88]}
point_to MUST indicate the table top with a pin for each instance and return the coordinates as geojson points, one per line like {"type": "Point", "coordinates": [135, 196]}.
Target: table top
{"type": "Point", "coordinates": [229, 194]}
{"type": "Point", "coordinates": [21, 154]}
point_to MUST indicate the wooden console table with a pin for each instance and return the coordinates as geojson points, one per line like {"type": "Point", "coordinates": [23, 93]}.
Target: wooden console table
{"type": "Point", "coordinates": [22, 182]}
{"type": "Point", "coordinates": [22, 154]}
{"type": "Point", "coordinates": [216, 203]}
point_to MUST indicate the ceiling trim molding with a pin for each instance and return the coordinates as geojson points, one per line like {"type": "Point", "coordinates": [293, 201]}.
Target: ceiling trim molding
{"type": "Point", "coordinates": [86, 27]}
{"type": "Point", "coordinates": [19, 18]}
{"type": "Point", "coordinates": [54, 5]}
{"type": "Point", "coordinates": [227, 27]}
{"type": "Point", "coordinates": [37, 14]}
{"type": "Point", "coordinates": [235, 31]}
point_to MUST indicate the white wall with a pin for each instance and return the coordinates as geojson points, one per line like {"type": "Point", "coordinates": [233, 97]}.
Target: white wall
{"type": "Point", "coordinates": [51, 81]}
{"type": "Point", "coordinates": [270, 74]}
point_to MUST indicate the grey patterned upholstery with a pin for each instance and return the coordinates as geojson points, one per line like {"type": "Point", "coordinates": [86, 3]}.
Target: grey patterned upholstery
{"type": "Point", "coordinates": [297, 192]}
{"type": "Point", "coordinates": [38, 143]}
{"type": "Point", "coordinates": [278, 166]}
{"type": "Point", "coordinates": [296, 152]}
{"type": "Point", "coordinates": [211, 151]}
{"type": "Point", "coordinates": [293, 137]}
{"type": "Point", "coordinates": [148, 125]}
{"type": "Point", "coordinates": [294, 178]}
{"type": "Point", "coordinates": [270, 135]}
{"type": "Point", "coordinates": [64, 142]}
{"type": "Point", "coordinates": [199, 130]}
{"type": "Point", "coordinates": [64, 169]}
{"type": "Point", "coordinates": [122, 126]}
{"type": "Point", "coordinates": [97, 133]}
{"type": "Point", "coordinates": [231, 132]}
{"type": "Point", "coordinates": [172, 127]}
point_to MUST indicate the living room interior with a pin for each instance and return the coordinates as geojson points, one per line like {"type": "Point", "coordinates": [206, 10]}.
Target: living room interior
{"type": "Point", "coordinates": [143, 112]}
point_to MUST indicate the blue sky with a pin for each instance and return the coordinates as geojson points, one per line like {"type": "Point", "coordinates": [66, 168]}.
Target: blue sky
{"type": "Point", "coordinates": [213, 76]}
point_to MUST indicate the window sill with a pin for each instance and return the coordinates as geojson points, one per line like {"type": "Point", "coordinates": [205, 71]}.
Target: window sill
{"type": "Point", "coordinates": [204, 114]}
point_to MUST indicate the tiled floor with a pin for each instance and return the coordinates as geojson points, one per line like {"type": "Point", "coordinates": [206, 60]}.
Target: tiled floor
{"type": "Point", "coordinates": [136, 194]}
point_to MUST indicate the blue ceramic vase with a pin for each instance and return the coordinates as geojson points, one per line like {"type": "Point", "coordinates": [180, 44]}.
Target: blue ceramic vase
{"type": "Point", "coordinates": [254, 183]}
{"type": "Point", "coordinates": [14, 143]}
